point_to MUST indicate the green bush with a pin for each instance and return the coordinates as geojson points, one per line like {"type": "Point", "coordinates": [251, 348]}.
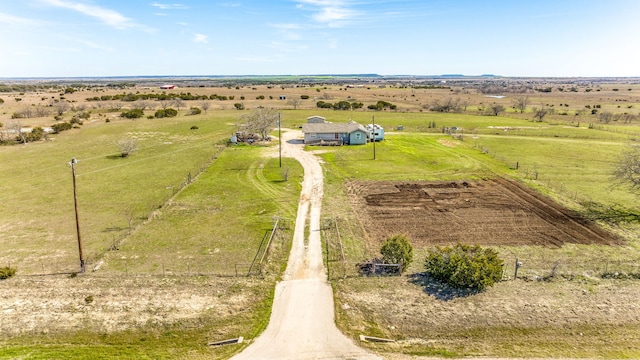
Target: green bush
{"type": "Point", "coordinates": [195, 111]}
{"type": "Point", "coordinates": [36, 134]}
{"type": "Point", "coordinates": [132, 114]}
{"type": "Point", "coordinates": [304, 97]}
{"type": "Point", "coordinates": [59, 127]}
{"type": "Point", "coordinates": [162, 113]}
{"type": "Point", "coordinates": [7, 272]}
{"type": "Point", "coordinates": [397, 250]}
{"type": "Point", "coordinates": [464, 266]}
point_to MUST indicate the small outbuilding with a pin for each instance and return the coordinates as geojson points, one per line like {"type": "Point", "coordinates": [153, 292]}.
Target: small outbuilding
{"type": "Point", "coordinates": [167, 87]}
{"type": "Point", "coordinates": [375, 132]}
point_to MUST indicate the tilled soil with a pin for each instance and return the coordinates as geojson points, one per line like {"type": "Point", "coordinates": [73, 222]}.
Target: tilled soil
{"type": "Point", "coordinates": [485, 212]}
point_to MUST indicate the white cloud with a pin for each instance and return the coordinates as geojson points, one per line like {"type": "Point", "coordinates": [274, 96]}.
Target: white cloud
{"type": "Point", "coordinates": [330, 12]}
{"type": "Point", "coordinates": [15, 20]}
{"type": "Point", "coordinates": [96, 46]}
{"type": "Point", "coordinates": [170, 6]}
{"type": "Point", "coordinates": [107, 16]}
{"type": "Point", "coordinates": [200, 38]}
{"type": "Point", "coordinates": [289, 31]}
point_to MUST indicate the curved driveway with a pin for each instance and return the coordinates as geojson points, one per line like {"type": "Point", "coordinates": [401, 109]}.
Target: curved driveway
{"type": "Point", "coordinates": [302, 324]}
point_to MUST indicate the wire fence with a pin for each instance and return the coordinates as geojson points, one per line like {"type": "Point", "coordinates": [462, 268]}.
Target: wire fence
{"type": "Point", "coordinates": [266, 259]}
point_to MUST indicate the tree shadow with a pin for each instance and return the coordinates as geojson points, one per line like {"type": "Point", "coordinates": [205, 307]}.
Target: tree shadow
{"type": "Point", "coordinates": [115, 157]}
{"type": "Point", "coordinates": [439, 290]}
{"type": "Point", "coordinates": [296, 141]}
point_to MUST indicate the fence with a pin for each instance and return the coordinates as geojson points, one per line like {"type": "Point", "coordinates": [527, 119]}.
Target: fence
{"type": "Point", "coordinates": [247, 263]}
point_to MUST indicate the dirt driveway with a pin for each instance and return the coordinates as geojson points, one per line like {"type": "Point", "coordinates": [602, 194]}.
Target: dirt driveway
{"type": "Point", "coordinates": [302, 324]}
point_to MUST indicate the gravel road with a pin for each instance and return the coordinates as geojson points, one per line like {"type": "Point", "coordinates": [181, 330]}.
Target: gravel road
{"type": "Point", "coordinates": [302, 324]}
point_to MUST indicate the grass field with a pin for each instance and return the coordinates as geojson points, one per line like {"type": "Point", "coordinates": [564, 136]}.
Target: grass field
{"type": "Point", "coordinates": [176, 221]}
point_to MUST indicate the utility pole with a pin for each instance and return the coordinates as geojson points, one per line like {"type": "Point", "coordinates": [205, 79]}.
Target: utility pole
{"type": "Point", "coordinates": [373, 137]}
{"type": "Point", "coordinates": [75, 205]}
{"type": "Point", "coordinates": [279, 141]}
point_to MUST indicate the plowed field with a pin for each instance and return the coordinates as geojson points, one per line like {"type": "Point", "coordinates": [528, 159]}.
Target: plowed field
{"type": "Point", "coordinates": [488, 212]}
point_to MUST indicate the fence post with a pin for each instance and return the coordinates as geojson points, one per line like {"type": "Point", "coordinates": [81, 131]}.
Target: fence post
{"type": "Point", "coordinates": [518, 264]}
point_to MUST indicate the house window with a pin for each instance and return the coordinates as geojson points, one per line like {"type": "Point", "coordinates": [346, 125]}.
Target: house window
{"type": "Point", "coordinates": [312, 135]}
{"type": "Point", "coordinates": [358, 136]}
{"type": "Point", "coordinates": [336, 136]}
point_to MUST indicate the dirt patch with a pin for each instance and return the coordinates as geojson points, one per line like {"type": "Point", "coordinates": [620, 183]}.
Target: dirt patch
{"type": "Point", "coordinates": [489, 212]}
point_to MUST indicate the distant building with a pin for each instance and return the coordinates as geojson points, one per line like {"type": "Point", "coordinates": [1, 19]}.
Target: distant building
{"type": "Point", "coordinates": [282, 97]}
{"type": "Point", "coordinates": [315, 119]}
{"type": "Point", "coordinates": [167, 87]}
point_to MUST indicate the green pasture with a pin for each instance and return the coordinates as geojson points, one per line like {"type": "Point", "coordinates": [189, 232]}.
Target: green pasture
{"type": "Point", "coordinates": [216, 224]}
{"type": "Point", "coordinates": [115, 194]}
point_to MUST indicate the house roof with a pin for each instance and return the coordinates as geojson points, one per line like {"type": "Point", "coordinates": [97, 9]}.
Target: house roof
{"type": "Point", "coordinates": [330, 128]}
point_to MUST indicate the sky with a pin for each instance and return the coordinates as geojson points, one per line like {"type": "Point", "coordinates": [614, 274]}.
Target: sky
{"type": "Point", "coordinates": [529, 38]}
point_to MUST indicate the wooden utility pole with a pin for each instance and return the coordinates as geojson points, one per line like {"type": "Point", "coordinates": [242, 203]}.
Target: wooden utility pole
{"type": "Point", "coordinates": [373, 137]}
{"type": "Point", "coordinates": [75, 205]}
{"type": "Point", "coordinates": [279, 141]}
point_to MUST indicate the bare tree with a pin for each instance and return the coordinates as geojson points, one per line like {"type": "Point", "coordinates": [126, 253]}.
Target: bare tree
{"type": "Point", "coordinates": [449, 105]}
{"type": "Point", "coordinates": [141, 104]}
{"type": "Point", "coordinates": [127, 146]}
{"type": "Point", "coordinates": [539, 114]}
{"type": "Point", "coordinates": [178, 103]}
{"type": "Point", "coordinates": [115, 105]}
{"type": "Point", "coordinates": [627, 168]}
{"type": "Point", "coordinates": [165, 104]}
{"type": "Point", "coordinates": [605, 117]}
{"type": "Point", "coordinates": [41, 111]}
{"type": "Point", "coordinates": [294, 102]}
{"type": "Point", "coordinates": [61, 107]}
{"type": "Point", "coordinates": [521, 103]}
{"type": "Point", "coordinates": [15, 127]}
{"type": "Point", "coordinates": [205, 105]}
{"type": "Point", "coordinates": [261, 121]}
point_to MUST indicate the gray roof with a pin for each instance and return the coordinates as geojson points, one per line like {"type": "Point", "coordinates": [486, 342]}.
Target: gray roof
{"type": "Point", "coordinates": [330, 128]}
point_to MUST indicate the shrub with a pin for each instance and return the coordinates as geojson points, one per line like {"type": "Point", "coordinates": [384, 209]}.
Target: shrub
{"type": "Point", "coordinates": [304, 97]}
{"type": "Point", "coordinates": [397, 250]}
{"type": "Point", "coordinates": [59, 127]}
{"type": "Point", "coordinates": [36, 134]}
{"type": "Point", "coordinates": [132, 114]}
{"type": "Point", "coordinates": [239, 106]}
{"type": "Point", "coordinates": [7, 272]}
{"type": "Point", "coordinates": [162, 113]}
{"type": "Point", "coordinates": [195, 111]}
{"type": "Point", "coordinates": [464, 266]}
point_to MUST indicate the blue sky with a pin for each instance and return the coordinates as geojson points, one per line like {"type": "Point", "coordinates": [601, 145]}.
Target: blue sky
{"type": "Point", "coordinates": [70, 38]}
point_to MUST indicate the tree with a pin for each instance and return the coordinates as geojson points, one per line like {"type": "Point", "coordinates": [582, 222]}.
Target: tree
{"type": "Point", "coordinates": [61, 107]}
{"type": "Point", "coordinates": [495, 109]}
{"type": "Point", "coordinates": [397, 250]}
{"type": "Point", "coordinates": [450, 105]}
{"type": "Point", "coordinates": [294, 102]}
{"type": "Point", "coordinates": [539, 114]}
{"type": "Point", "coordinates": [178, 103]}
{"type": "Point", "coordinates": [627, 168]}
{"type": "Point", "coordinates": [132, 114]}
{"type": "Point", "coordinates": [205, 105]}
{"type": "Point", "coordinates": [465, 266]}
{"type": "Point", "coordinates": [127, 146]}
{"type": "Point", "coordinates": [521, 103]}
{"type": "Point", "coordinates": [15, 127]}
{"type": "Point", "coordinates": [260, 121]}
